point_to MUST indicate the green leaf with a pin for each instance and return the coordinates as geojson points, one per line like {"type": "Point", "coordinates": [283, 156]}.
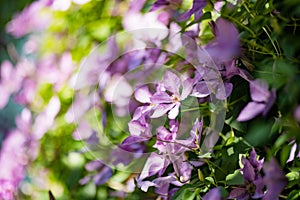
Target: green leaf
{"type": "Point", "coordinates": [294, 195]}
{"type": "Point", "coordinates": [235, 179]}
{"type": "Point", "coordinates": [186, 192]}
{"type": "Point", "coordinates": [285, 153]}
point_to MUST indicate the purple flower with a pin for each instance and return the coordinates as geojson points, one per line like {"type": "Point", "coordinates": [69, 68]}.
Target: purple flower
{"type": "Point", "coordinates": [213, 194]}
{"type": "Point", "coordinates": [274, 179]}
{"type": "Point", "coordinates": [226, 44]}
{"type": "Point", "coordinates": [10, 82]}
{"type": "Point", "coordinates": [14, 156]}
{"type": "Point", "coordinates": [103, 173]}
{"type": "Point", "coordinates": [196, 9]}
{"type": "Point", "coordinates": [29, 20]}
{"type": "Point", "coordinates": [262, 101]}
{"type": "Point", "coordinates": [254, 184]}
{"type": "Point", "coordinates": [7, 190]}
{"type": "Point", "coordinates": [171, 102]}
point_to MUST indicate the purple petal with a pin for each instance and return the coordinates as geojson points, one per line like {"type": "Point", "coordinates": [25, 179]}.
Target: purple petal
{"type": "Point", "coordinates": [164, 134]}
{"type": "Point", "coordinates": [5, 94]}
{"type": "Point", "coordinates": [259, 91]}
{"type": "Point", "coordinates": [196, 9]}
{"type": "Point", "coordinates": [93, 165]}
{"type": "Point", "coordinates": [274, 179]}
{"type": "Point", "coordinates": [163, 184]}
{"type": "Point", "coordinates": [239, 194]}
{"type": "Point", "coordinates": [138, 129]}
{"type": "Point", "coordinates": [251, 110]}
{"type": "Point", "coordinates": [200, 90]}
{"type": "Point", "coordinates": [187, 87]}
{"type": "Point", "coordinates": [220, 92]}
{"type": "Point", "coordinates": [213, 194]}
{"type": "Point", "coordinates": [144, 185]}
{"type": "Point", "coordinates": [259, 186]}
{"type": "Point", "coordinates": [158, 4]}
{"type": "Point", "coordinates": [154, 164]}
{"type": "Point", "coordinates": [258, 164]}
{"type": "Point", "coordinates": [172, 82]}
{"type": "Point", "coordinates": [248, 170]}
{"type": "Point", "coordinates": [270, 102]}
{"type": "Point", "coordinates": [102, 176]}
{"type": "Point", "coordinates": [161, 97]}
{"type": "Point", "coordinates": [226, 44]}
{"type": "Point", "coordinates": [143, 95]}
{"type": "Point", "coordinates": [162, 109]}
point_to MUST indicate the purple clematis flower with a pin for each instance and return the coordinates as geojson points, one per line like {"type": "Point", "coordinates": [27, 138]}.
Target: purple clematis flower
{"type": "Point", "coordinates": [254, 183]}
{"type": "Point", "coordinates": [262, 101]}
{"type": "Point", "coordinates": [274, 179]}
{"type": "Point", "coordinates": [196, 9]}
{"type": "Point", "coordinates": [226, 44]}
{"type": "Point", "coordinates": [171, 102]}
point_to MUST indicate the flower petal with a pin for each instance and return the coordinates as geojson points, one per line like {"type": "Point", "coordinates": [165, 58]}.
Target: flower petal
{"type": "Point", "coordinates": [259, 91]}
{"type": "Point", "coordinates": [172, 82]}
{"type": "Point", "coordinates": [214, 194]}
{"type": "Point", "coordinates": [142, 94]}
{"type": "Point", "coordinates": [251, 110]}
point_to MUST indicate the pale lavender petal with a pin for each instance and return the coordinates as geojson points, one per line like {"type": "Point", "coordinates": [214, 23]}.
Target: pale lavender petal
{"type": "Point", "coordinates": [251, 110]}
{"type": "Point", "coordinates": [220, 91]}
{"type": "Point", "coordinates": [154, 164]}
{"type": "Point", "coordinates": [132, 140]}
{"type": "Point", "coordinates": [164, 134]}
{"type": "Point", "coordinates": [213, 194]}
{"type": "Point", "coordinates": [143, 95]}
{"type": "Point", "coordinates": [163, 183]}
{"type": "Point", "coordinates": [259, 90]}
{"type": "Point", "coordinates": [161, 97]}
{"type": "Point", "coordinates": [93, 165]}
{"type": "Point", "coordinates": [138, 129]}
{"type": "Point", "coordinates": [5, 94]}
{"type": "Point", "coordinates": [270, 102]}
{"type": "Point", "coordinates": [7, 190]}
{"type": "Point", "coordinates": [173, 113]}
{"type": "Point", "coordinates": [85, 180]}
{"type": "Point", "coordinates": [162, 109]}
{"type": "Point", "coordinates": [172, 82]}
{"type": "Point", "coordinates": [200, 90]}
{"type": "Point", "coordinates": [187, 87]}
{"type": "Point", "coordinates": [144, 185]}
